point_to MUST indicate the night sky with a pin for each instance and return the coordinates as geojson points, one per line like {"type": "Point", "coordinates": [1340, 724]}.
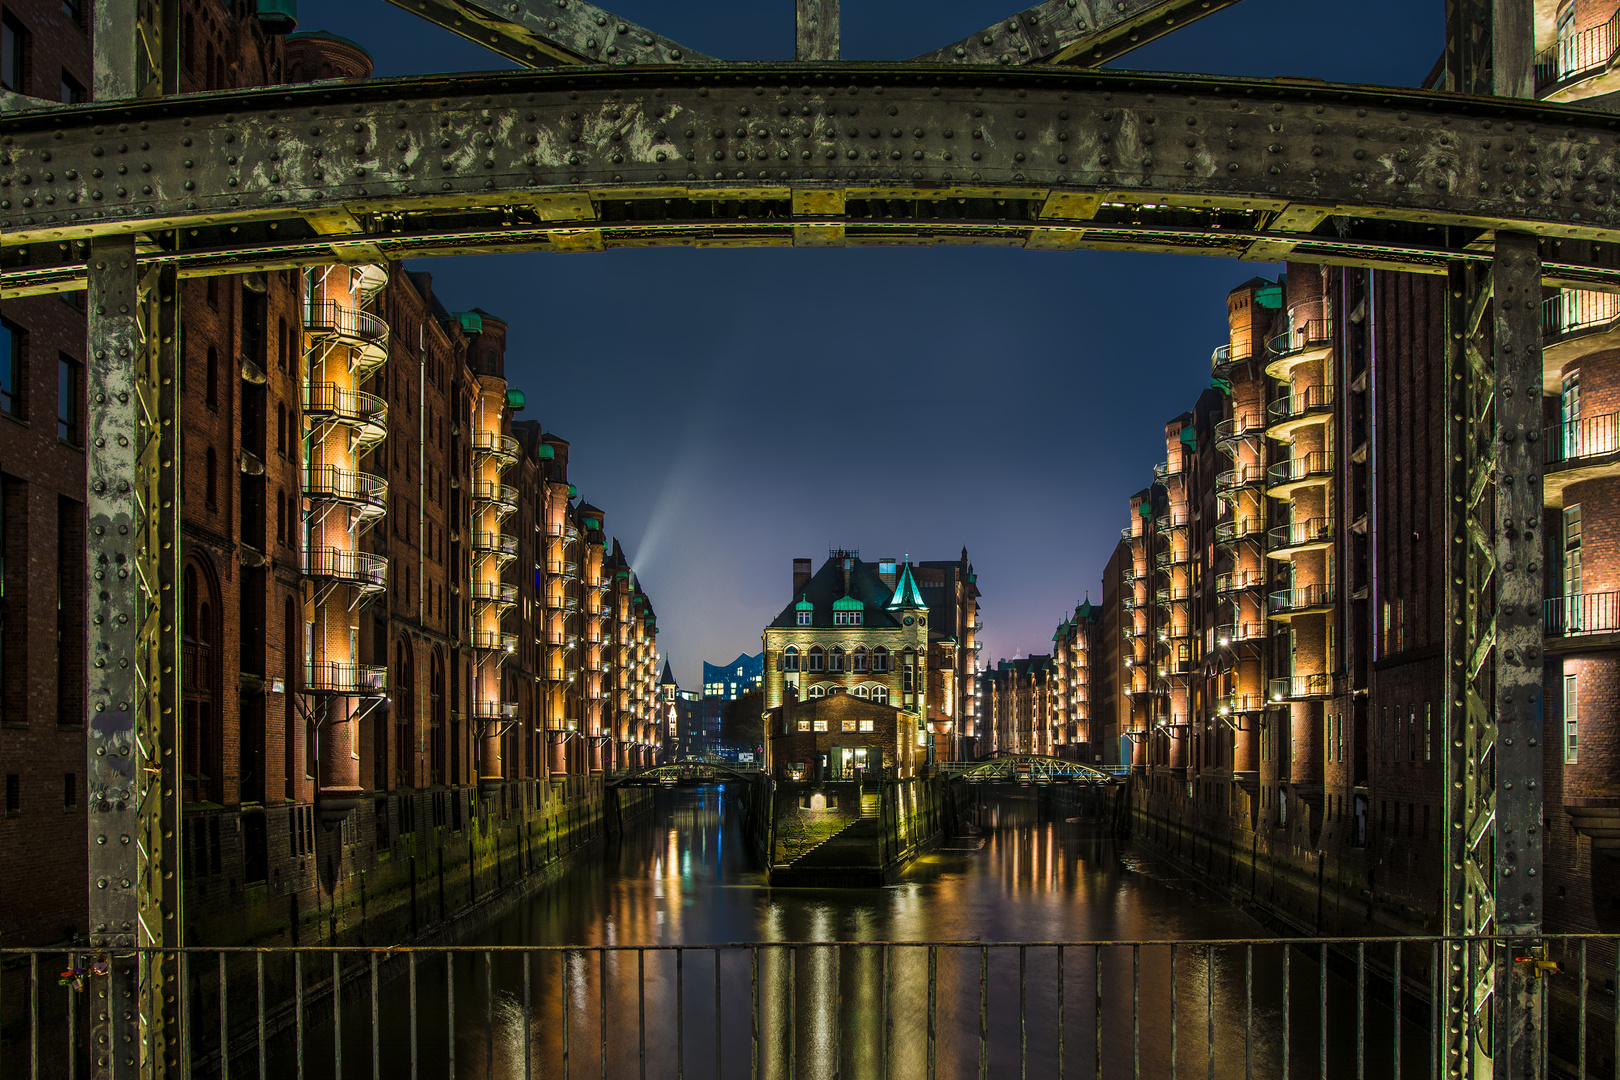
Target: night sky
{"type": "Point", "coordinates": [730, 410]}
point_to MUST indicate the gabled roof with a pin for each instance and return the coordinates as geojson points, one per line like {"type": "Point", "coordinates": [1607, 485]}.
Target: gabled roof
{"type": "Point", "coordinates": [826, 588]}
{"type": "Point", "coordinates": [906, 592]}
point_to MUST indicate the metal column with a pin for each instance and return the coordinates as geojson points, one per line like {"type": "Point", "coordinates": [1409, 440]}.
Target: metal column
{"type": "Point", "coordinates": [132, 742]}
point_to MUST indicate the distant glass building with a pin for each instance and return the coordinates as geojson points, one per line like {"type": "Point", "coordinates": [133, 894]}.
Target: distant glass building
{"type": "Point", "coordinates": [728, 682]}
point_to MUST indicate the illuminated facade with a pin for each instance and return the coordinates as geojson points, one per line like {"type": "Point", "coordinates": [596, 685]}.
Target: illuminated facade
{"type": "Point", "coordinates": [1074, 732]}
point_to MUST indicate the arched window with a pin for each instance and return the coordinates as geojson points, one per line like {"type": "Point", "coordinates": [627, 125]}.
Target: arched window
{"type": "Point", "coordinates": [880, 660]}
{"type": "Point", "coordinates": [908, 661]}
{"type": "Point", "coordinates": [818, 691]}
{"type": "Point", "coordinates": [880, 694]}
{"type": "Point", "coordinates": [790, 658]}
{"type": "Point", "coordinates": [861, 691]}
{"type": "Point", "coordinates": [835, 659]}
{"type": "Point", "coordinates": [210, 469]}
{"type": "Point", "coordinates": [818, 658]}
{"type": "Point", "coordinates": [859, 659]}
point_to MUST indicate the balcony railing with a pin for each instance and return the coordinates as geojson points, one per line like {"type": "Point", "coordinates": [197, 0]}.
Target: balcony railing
{"type": "Point", "coordinates": [1576, 55]}
{"type": "Point", "coordinates": [1231, 532]}
{"type": "Point", "coordinates": [1238, 581]}
{"type": "Point", "coordinates": [1588, 437]}
{"type": "Point", "coordinates": [1303, 687]}
{"type": "Point", "coordinates": [1129, 603]}
{"type": "Point", "coordinates": [331, 677]}
{"type": "Point", "coordinates": [1179, 594]}
{"type": "Point", "coordinates": [1174, 557]}
{"type": "Point", "coordinates": [362, 568]}
{"type": "Point", "coordinates": [1314, 530]}
{"type": "Point", "coordinates": [495, 710]}
{"type": "Point", "coordinates": [1313, 333]}
{"type": "Point", "coordinates": [501, 544]}
{"type": "Point", "coordinates": [1313, 399]}
{"type": "Point", "coordinates": [1301, 598]}
{"type": "Point", "coordinates": [1241, 632]}
{"type": "Point", "coordinates": [1238, 479]}
{"type": "Point", "coordinates": [1582, 613]}
{"type": "Point", "coordinates": [1224, 356]}
{"type": "Point", "coordinates": [496, 445]}
{"type": "Point", "coordinates": [502, 497]}
{"type": "Point", "coordinates": [1164, 470]}
{"type": "Point", "coordinates": [328, 318]}
{"type": "Point", "coordinates": [1234, 428]}
{"type": "Point", "coordinates": [1128, 533]}
{"type": "Point", "coordinates": [1241, 703]}
{"type": "Point", "coordinates": [1317, 463]}
{"type": "Point", "coordinates": [365, 412]}
{"type": "Point", "coordinates": [1572, 310]}
{"type": "Point", "coordinates": [360, 489]}
{"type": "Point", "coordinates": [494, 592]}
{"type": "Point", "coordinates": [1170, 522]}
{"type": "Point", "coordinates": [563, 569]}
{"type": "Point", "coordinates": [499, 640]}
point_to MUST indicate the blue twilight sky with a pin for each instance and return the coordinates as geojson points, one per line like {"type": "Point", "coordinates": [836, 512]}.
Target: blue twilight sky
{"type": "Point", "coordinates": [730, 410]}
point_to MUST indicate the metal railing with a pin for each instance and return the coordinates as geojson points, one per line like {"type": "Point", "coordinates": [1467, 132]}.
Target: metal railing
{"type": "Point", "coordinates": [503, 496]}
{"type": "Point", "coordinates": [1301, 336]}
{"type": "Point", "coordinates": [495, 543]}
{"type": "Point", "coordinates": [1300, 598]}
{"type": "Point", "coordinates": [1168, 522]}
{"type": "Point", "coordinates": [328, 317]}
{"type": "Point", "coordinates": [362, 489]}
{"type": "Point", "coordinates": [1234, 428]}
{"type": "Point", "coordinates": [1244, 476]}
{"type": "Point", "coordinates": [355, 407]}
{"type": "Point", "coordinates": [1312, 464]}
{"type": "Point", "coordinates": [496, 592]}
{"type": "Point", "coordinates": [1174, 557]}
{"type": "Point", "coordinates": [495, 710]}
{"type": "Point", "coordinates": [333, 677]}
{"type": "Point", "coordinates": [494, 639]}
{"type": "Point", "coordinates": [1581, 613]}
{"type": "Point", "coordinates": [1301, 687]}
{"type": "Point", "coordinates": [1590, 436]}
{"type": "Point", "coordinates": [1314, 530]}
{"type": "Point", "coordinates": [1575, 55]}
{"type": "Point", "coordinates": [1224, 356]}
{"type": "Point", "coordinates": [1313, 399]}
{"type": "Point", "coordinates": [1240, 1007]}
{"type": "Point", "coordinates": [1230, 532]}
{"type": "Point", "coordinates": [1569, 311]}
{"type": "Point", "coordinates": [1239, 581]}
{"type": "Point", "coordinates": [1241, 703]}
{"type": "Point", "coordinates": [493, 442]}
{"type": "Point", "coordinates": [1164, 470]}
{"type": "Point", "coordinates": [363, 568]}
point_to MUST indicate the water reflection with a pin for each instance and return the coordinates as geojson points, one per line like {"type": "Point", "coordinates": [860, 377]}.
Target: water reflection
{"type": "Point", "coordinates": [682, 878]}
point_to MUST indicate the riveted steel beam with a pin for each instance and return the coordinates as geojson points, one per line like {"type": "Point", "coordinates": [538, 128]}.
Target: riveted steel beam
{"type": "Point", "coordinates": [1086, 33]}
{"type": "Point", "coordinates": [536, 33]}
{"type": "Point", "coordinates": [132, 758]}
{"type": "Point", "coordinates": [941, 153]}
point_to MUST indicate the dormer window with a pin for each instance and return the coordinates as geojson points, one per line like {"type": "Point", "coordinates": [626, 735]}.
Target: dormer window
{"type": "Point", "coordinates": [804, 618]}
{"type": "Point", "coordinates": [847, 618]}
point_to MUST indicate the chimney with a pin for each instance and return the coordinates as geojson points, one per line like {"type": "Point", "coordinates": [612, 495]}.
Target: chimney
{"type": "Point", "coordinates": [888, 572]}
{"type": "Point", "coordinates": [801, 575]}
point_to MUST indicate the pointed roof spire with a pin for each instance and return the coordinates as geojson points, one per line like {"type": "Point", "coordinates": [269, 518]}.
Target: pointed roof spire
{"type": "Point", "coordinates": [668, 677]}
{"type": "Point", "coordinates": [906, 592]}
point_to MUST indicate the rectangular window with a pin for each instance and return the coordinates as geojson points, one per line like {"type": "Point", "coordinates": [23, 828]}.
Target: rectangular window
{"type": "Point", "coordinates": [849, 725]}
{"type": "Point", "coordinates": [13, 793]}
{"type": "Point", "coordinates": [1571, 719]}
{"type": "Point", "coordinates": [1411, 735]}
{"type": "Point", "coordinates": [13, 56]}
{"type": "Point", "coordinates": [867, 725]}
{"type": "Point", "coordinates": [13, 360]}
{"type": "Point", "coordinates": [1428, 732]}
{"type": "Point", "coordinates": [820, 725]}
{"type": "Point", "coordinates": [70, 791]}
{"type": "Point", "coordinates": [74, 9]}
{"type": "Point", "coordinates": [67, 399]}
{"type": "Point", "coordinates": [72, 90]}
{"type": "Point", "coordinates": [804, 618]}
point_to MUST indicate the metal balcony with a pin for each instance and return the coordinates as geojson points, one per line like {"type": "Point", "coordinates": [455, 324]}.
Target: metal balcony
{"type": "Point", "coordinates": [503, 498]}
{"type": "Point", "coordinates": [1164, 560]}
{"type": "Point", "coordinates": [494, 444]}
{"type": "Point", "coordinates": [1573, 312]}
{"type": "Point", "coordinates": [497, 640]}
{"type": "Point", "coordinates": [1130, 603]}
{"type": "Point", "coordinates": [1232, 532]}
{"type": "Point", "coordinates": [1228, 356]}
{"type": "Point", "coordinates": [1310, 534]}
{"type": "Point", "coordinates": [362, 569]}
{"type": "Point", "coordinates": [1233, 704]}
{"type": "Point", "coordinates": [1240, 633]}
{"type": "Point", "coordinates": [364, 492]}
{"type": "Point", "coordinates": [345, 324]}
{"type": "Point", "coordinates": [1128, 533]}
{"type": "Point", "coordinates": [500, 545]}
{"type": "Point", "coordinates": [1235, 481]}
{"type": "Point", "coordinates": [1238, 581]}
{"type": "Point", "coordinates": [494, 592]}
{"type": "Point", "coordinates": [1306, 687]}
{"type": "Point", "coordinates": [563, 568]}
{"type": "Point", "coordinates": [331, 677]}
{"type": "Point", "coordinates": [1578, 56]}
{"type": "Point", "coordinates": [495, 710]}
{"type": "Point", "coordinates": [366, 413]}
{"type": "Point", "coordinates": [1286, 477]}
{"type": "Point", "coordinates": [1164, 471]}
{"type": "Point", "coordinates": [1581, 613]}
{"type": "Point", "coordinates": [1576, 442]}
{"type": "Point", "coordinates": [1304, 341]}
{"type": "Point", "coordinates": [1170, 522]}
{"type": "Point", "coordinates": [1297, 601]}
{"type": "Point", "coordinates": [1288, 414]}
{"type": "Point", "coordinates": [1175, 595]}
{"type": "Point", "coordinates": [1235, 429]}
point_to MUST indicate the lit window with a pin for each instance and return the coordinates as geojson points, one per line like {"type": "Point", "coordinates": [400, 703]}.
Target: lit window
{"type": "Point", "coordinates": [821, 725]}
{"type": "Point", "coordinates": [804, 725]}
{"type": "Point", "coordinates": [867, 725]}
{"type": "Point", "coordinates": [849, 725]}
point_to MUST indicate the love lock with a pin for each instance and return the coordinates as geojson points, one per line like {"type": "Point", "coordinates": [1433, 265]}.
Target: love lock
{"type": "Point", "coordinates": [1536, 966]}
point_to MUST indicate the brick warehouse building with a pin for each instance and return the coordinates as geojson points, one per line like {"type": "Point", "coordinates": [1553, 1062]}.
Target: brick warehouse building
{"type": "Point", "coordinates": [385, 624]}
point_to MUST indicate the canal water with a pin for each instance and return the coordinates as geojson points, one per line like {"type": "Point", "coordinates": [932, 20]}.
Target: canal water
{"type": "Point", "coordinates": [647, 994]}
